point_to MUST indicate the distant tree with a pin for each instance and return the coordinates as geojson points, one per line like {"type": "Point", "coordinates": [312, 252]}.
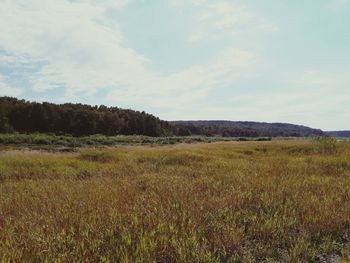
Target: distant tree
{"type": "Point", "coordinates": [77, 119]}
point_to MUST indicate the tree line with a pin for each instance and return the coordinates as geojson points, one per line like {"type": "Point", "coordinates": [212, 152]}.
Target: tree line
{"type": "Point", "coordinates": [82, 120]}
{"type": "Point", "coordinates": [77, 119]}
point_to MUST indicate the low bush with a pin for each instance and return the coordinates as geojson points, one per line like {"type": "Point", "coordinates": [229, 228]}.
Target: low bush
{"type": "Point", "coordinates": [327, 145]}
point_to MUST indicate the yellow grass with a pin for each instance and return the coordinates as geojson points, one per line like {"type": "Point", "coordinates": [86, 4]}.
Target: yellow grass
{"type": "Point", "coordinates": [224, 202]}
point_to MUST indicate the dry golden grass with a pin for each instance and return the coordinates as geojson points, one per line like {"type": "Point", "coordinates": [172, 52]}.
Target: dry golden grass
{"type": "Point", "coordinates": [224, 202]}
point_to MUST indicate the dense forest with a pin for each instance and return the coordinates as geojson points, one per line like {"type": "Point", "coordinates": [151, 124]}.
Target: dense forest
{"type": "Point", "coordinates": [77, 119]}
{"type": "Point", "coordinates": [243, 129]}
{"type": "Point", "coordinates": [82, 120]}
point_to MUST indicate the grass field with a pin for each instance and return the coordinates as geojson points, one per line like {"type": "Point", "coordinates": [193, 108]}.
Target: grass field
{"type": "Point", "coordinates": [279, 201]}
{"type": "Point", "coordinates": [65, 143]}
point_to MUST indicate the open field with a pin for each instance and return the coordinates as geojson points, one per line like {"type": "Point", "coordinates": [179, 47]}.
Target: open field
{"type": "Point", "coordinates": [65, 143]}
{"type": "Point", "coordinates": [279, 201]}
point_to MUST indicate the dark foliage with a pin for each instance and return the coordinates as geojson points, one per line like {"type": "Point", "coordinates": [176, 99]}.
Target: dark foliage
{"type": "Point", "coordinates": [77, 119]}
{"type": "Point", "coordinates": [83, 120]}
{"type": "Point", "coordinates": [243, 129]}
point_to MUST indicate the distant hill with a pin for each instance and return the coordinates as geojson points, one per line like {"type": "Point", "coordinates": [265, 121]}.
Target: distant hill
{"type": "Point", "coordinates": [244, 129]}
{"type": "Point", "coordinates": [339, 134]}
{"type": "Point", "coordinates": [81, 120]}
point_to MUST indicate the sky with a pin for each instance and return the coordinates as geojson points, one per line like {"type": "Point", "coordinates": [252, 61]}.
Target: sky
{"type": "Point", "coordinates": [271, 60]}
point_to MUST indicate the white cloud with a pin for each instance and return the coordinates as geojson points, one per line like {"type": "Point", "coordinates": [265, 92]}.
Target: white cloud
{"type": "Point", "coordinates": [7, 90]}
{"type": "Point", "coordinates": [190, 85]}
{"type": "Point", "coordinates": [223, 18]}
{"type": "Point", "coordinates": [78, 48]}
{"type": "Point", "coordinates": [105, 3]}
{"type": "Point", "coordinates": [315, 97]}
{"type": "Point", "coordinates": [73, 46]}
{"type": "Point", "coordinates": [81, 50]}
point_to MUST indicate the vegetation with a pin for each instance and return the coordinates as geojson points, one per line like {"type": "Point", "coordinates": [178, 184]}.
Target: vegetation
{"type": "Point", "coordinates": [83, 120]}
{"type": "Point", "coordinates": [76, 119]}
{"type": "Point", "coordinates": [70, 143]}
{"type": "Point", "coordinates": [244, 129]}
{"type": "Point", "coordinates": [280, 201]}
{"type": "Point", "coordinates": [327, 145]}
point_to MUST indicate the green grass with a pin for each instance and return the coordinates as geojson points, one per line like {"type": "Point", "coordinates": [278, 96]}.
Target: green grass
{"type": "Point", "coordinates": [280, 201]}
{"type": "Point", "coordinates": [57, 143]}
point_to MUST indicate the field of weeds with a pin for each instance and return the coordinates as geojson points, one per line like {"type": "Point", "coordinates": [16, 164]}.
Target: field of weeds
{"type": "Point", "coordinates": [280, 201]}
{"type": "Point", "coordinates": [66, 143]}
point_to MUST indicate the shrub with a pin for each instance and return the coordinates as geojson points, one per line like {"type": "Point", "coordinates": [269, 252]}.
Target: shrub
{"type": "Point", "coordinates": [41, 139]}
{"type": "Point", "coordinates": [327, 145]}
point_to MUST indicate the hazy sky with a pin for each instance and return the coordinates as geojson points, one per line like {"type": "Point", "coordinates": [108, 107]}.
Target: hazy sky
{"type": "Point", "coordinates": [271, 60]}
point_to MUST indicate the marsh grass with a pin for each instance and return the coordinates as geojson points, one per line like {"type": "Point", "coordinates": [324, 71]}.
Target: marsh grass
{"type": "Point", "coordinates": [328, 145]}
{"type": "Point", "coordinates": [67, 143]}
{"type": "Point", "coordinates": [224, 202]}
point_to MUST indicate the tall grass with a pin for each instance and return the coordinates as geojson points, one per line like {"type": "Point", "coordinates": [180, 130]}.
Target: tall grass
{"type": "Point", "coordinates": [229, 202]}
{"type": "Point", "coordinates": [69, 143]}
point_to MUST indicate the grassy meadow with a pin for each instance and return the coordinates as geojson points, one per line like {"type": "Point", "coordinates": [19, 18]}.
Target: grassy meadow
{"type": "Point", "coordinates": [278, 201]}
{"type": "Point", "coordinates": [67, 143]}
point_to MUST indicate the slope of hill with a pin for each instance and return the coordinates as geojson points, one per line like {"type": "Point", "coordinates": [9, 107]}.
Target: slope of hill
{"type": "Point", "coordinates": [339, 134]}
{"type": "Point", "coordinates": [244, 129]}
